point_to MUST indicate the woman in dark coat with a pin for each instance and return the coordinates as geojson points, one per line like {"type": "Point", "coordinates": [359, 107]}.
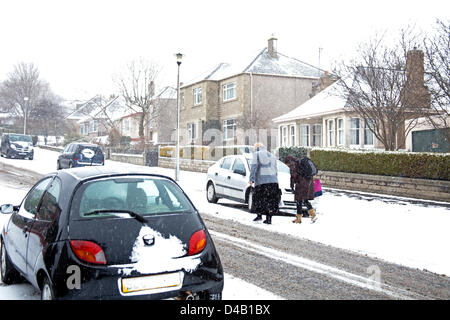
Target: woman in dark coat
{"type": "Point", "coordinates": [303, 189]}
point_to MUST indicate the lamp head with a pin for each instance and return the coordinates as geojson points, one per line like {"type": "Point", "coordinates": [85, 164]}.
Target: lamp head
{"type": "Point", "coordinates": [179, 57]}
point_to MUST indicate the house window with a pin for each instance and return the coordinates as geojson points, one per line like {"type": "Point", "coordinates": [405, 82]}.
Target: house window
{"type": "Point", "coordinates": [304, 135]}
{"type": "Point", "coordinates": [229, 129]}
{"type": "Point", "coordinates": [84, 128]}
{"type": "Point", "coordinates": [331, 133]}
{"type": "Point", "coordinates": [229, 91]}
{"type": "Point", "coordinates": [192, 131]}
{"type": "Point", "coordinates": [354, 131]}
{"type": "Point", "coordinates": [126, 125]}
{"type": "Point", "coordinates": [340, 132]}
{"type": "Point", "coordinates": [93, 126]}
{"type": "Point", "coordinates": [368, 134]}
{"type": "Point", "coordinates": [284, 136]}
{"type": "Point", "coordinates": [197, 96]}
{"type": "Point", "coordinates": [181, 100]}
{"type": "Point", "coordinates": [317, 135]}
{"type": "Point", "coordinates": [292, 135]}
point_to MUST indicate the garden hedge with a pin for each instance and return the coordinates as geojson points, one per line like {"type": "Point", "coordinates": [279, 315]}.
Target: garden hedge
{"type": "Point", "coordinates": [399, 164]}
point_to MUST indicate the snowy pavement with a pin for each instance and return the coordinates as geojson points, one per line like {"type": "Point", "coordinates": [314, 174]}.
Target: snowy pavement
{"type": "Point", "coordinates": [410, 233]}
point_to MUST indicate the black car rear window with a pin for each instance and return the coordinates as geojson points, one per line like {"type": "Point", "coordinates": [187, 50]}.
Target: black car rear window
{"type": "Point", "coordinates": [96, 149]}
{"type": "Point", "coordinates": [143, 195]}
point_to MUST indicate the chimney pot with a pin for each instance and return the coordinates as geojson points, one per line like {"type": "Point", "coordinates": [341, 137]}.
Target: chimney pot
{"type": "Point", "coordinates": [272, 46]}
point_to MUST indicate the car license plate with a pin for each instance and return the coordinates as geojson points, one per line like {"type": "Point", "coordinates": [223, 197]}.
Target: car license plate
{"type": "Point", "coordinates": [153, 283]}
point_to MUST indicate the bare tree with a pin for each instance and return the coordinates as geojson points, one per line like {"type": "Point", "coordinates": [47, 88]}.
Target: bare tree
{"type": "Point", "coordinates": [379, 87]}
{"type": "Point", "coordinates": [137, 87]}
{"type": "Point", "coordinates": [437, 61]}
{"type": "Point", "coordinates": [23, 91]}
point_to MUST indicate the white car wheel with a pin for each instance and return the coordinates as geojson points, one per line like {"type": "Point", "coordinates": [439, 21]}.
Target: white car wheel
{"type": "Point", "coordinates": [211, 193]}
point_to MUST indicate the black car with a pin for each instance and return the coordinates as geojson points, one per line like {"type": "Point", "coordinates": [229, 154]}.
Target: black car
{"type": "Point", "coordinates": [94, 233]}
{"type": "Point", "coordinates": [80, 154]}
{"type": "Point", "coordinates": [15, 145]}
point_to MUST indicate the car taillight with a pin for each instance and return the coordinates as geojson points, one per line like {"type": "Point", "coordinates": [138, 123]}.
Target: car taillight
{"type": "Point", "coordinates": [88, 251]}
{"type": "Point", "coordinates": [197, 242]}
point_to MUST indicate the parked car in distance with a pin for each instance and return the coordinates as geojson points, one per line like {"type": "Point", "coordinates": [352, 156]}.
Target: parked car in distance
{"type": "Point", "coordinates": [15, 145]}
{"type": "Point", "coordinates": [80, 154]}
{"type": "Point", "coordinates": [229, 176]}
{"type": "Point", "coordinates": [98, 233]}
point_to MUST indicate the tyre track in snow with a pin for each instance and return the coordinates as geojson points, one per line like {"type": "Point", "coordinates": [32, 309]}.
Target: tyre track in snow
{"type": "Point", "coordinates": [294, 268]}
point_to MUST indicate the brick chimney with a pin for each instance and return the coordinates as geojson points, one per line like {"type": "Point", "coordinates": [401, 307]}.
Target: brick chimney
{"type": "Point", "coordinates": [416, 94]}
{"type": "Point", "coordinates": [272, 46]}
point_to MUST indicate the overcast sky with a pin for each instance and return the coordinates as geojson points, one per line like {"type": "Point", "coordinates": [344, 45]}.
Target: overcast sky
{"type": "Point", "coordinates": [78, 45]}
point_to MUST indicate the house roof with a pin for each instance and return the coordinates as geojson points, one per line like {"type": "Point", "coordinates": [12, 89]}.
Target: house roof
{"type": "Point", "coordinates": [263, 63]}
{"type": "Point", "coordinates": [325, 102]}
{"type": "Point", "coordinates": [282, 65]}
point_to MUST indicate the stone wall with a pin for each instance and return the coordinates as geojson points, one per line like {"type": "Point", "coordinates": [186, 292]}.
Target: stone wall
{"type": "Point", "coordinates": [186, 164]}
{"type": "Point", "coordinates": [137, 159]}
{"type": "Point", "coordinates": [405, 187]}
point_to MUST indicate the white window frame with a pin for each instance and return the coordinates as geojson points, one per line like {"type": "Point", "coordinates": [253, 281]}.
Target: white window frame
{"type": "Point", "coordinates": [229, 91]}
{"type": "Point", "coordinates": [93, 126]}
{"type": "Point", "coordinates": [292, 134]}
{"type": "Point", "coordinates": [355, 132]}
{"type": "Point", "coordinates": [331, 132]}
{"type": "Point", "coordinates": [197, 96]}
{"type": "Point", "coordinates": [340, 132]}
{"type": "Point", "coordinates": [316, 136]}
{"type": "Point", "coordinates": [126, 125]}
{"type": "Point", "coordinates": [192, 131]}
{"type": "Point", "coordinates": [84, 128]}
{"type": "Point", "coordinates": [304, 135]}
{"type": "Point", "coordinates": [229, 126]}
{"type": "Point", "coordinates": [284, 136]}
{"type": "Point", "coordinates": [367, 133]}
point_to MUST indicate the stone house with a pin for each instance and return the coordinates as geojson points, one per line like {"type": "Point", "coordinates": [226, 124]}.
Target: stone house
{"type": "Point", "coordinates": [232, 99]}
{"type": "Point", "coordinates": [159, 124]}
{"type": "Point", "coordinates": [326, 121]}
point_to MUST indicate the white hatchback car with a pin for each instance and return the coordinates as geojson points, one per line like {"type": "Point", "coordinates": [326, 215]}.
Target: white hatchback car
{"type": "Point", "coordinates": [229, 176]}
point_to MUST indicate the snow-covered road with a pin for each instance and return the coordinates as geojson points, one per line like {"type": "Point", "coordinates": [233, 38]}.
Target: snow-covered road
{"type": "Point", "coordinates": [392, 229]}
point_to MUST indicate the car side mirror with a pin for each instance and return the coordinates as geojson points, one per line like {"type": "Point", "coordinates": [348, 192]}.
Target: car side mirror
{"type": "Point", "coordinates": [7, 209]}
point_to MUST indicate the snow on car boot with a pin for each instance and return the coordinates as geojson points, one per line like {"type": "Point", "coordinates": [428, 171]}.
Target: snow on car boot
{"type": "Point", "coordinates": [298, 218]}
{"type": "Point", "coordinates": [312, 213]}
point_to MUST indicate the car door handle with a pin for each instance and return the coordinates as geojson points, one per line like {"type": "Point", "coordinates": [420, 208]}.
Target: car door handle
{"type": "Point", "coordinates": [25, 230]}
{"type": "Point", "coordinates": [216, 174]}
{"type": "Point", "coordinates": [228, 177]}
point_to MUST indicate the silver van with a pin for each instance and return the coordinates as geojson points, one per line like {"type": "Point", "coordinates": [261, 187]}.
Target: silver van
{"type": "Point", "coordinates": [14, 145]}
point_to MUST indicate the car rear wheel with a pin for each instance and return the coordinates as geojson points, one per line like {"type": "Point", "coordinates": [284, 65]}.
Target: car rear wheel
{"type": "Point", "coordinates": [211, 193]}
{"type": "Point", "coordinates": [8, 274]}
{"type": "Point", "coordinates": [47, 292]}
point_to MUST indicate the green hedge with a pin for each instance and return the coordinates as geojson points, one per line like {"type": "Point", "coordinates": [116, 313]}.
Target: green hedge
{"type": "Point", "coordinates": [397, 164]}
{"type": "Point", "coordinates": [291, 151]}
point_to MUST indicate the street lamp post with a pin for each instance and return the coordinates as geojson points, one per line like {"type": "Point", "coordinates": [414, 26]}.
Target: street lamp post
{"type": "Point", "coordinates": [25, 99]}
{"type": "Point", "coordinates": [177, 164]}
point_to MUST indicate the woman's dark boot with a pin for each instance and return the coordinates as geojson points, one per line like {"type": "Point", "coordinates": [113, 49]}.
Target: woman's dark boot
{"type": "Point", "coordinates": [268, 219]}
{"type": "Point", "coordinates": [258, 217]}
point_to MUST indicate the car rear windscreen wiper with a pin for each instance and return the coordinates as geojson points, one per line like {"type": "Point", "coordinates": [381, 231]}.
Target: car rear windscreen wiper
{"type": "Point", "coordinates": [133, 214]}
